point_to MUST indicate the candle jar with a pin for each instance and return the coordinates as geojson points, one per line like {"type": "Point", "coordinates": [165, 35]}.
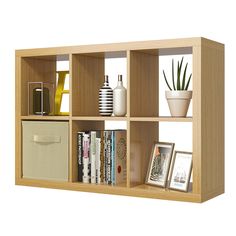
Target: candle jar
{"type": "Point", "coordinates": [40, 98]}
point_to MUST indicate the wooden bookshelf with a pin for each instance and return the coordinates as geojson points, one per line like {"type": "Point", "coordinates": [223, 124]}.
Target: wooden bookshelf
{"type": "Point", "coordinates": [142, 117]}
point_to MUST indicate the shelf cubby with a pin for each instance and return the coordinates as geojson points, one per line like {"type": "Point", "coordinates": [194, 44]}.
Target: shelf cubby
{"type": "Point", "coordinates": [143, 74]}
{"type": "Point", "coordinates": [35, 69]}
{"type": "Point", "coordinates": [142, 137]}
{"type": "Point", "coordinates": [142, 65]}
{"type": "Point", "coordinates": [84, 125]}
{"type": "Point", "coordinates": [165, 63]}
{"type": "Point", "coordinates": [88, 70]}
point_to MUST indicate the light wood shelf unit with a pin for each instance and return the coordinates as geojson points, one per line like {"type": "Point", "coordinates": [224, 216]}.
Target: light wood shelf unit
{"type": "Point", "coordinates": [86, 77]}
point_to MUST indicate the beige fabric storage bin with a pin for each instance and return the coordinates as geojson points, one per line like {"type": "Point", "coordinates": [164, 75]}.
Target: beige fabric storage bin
{"type": "Point", "coordinates": [45, 150]}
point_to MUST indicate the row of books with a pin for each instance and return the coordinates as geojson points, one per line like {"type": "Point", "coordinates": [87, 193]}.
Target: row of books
{"type": "Point", "coordinates": [102, 156]}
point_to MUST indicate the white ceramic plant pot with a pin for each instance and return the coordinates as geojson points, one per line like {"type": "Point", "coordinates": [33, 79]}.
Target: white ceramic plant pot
{"type": "Point", "coordinates": [178, 102]}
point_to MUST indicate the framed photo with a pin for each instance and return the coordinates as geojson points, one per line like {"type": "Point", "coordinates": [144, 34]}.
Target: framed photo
{"type": "Point", "coordinates": [159, 164]}
{"type": "Point", "coordinates": [181, 171]}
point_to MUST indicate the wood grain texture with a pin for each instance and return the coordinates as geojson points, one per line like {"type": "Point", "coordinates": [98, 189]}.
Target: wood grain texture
{"type": "Point", "coordinates": [35, 70]}
{"type": "Point", "coordinates": [18, 161]}
{"type": "Point", "coordinates": [128, 54]}
{"type": "Point", "coordinates": [70, 83]}
{"type": "Point", "coordinates": [162, 118]}
{"type": "Point", "coordinates": [137, 191]}
{"type": "Point", "coordinates": [36, 117]}
{"type": "Point", "coordinates": [212, 118]}
{"type": "Point", "coordinates": [196, 135]}
{"type": "Point", "coordinates": [142, 137]}
{"type": "Point", "coordinates": [87, 79]}
{"type": "Point", "coordinates": [97, 118]}
{"type": "Point", "coordinates": [143, 84]}
{"type": "Point", "coordinates": [128, 155]}
{"type": "Point", "coordinates": [113, 47]}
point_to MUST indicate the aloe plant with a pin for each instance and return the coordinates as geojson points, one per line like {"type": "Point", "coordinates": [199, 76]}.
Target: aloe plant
{"type": "Point", "coordinates": [178, 85]}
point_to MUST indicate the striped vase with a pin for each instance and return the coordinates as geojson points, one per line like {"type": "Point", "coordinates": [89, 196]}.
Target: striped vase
{"type": "Point", "coordinates": [106, 99]}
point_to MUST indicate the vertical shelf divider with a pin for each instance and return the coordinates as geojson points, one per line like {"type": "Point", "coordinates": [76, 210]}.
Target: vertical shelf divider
{"type": "Point", "coordinates": [18, 139]}
{"type": "Point", "coordinates": [128, 143]}
{"type": "Point", "coordinates": [72, 175]}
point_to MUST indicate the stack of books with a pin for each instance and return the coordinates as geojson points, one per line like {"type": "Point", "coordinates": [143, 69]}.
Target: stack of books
{"type": "Point", "coordinates": [102, 157]}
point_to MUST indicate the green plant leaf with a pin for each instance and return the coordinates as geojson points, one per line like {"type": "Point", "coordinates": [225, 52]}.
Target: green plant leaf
{"type": "Point", "coordinates": [178, 78]}
{"type": "Point", "coordinates": [179, 73]}
{"type": "Point", "coordinates": [181, 63]}
{"type": "Point", "coordinates": [166, 80]}
{"type": "Point", "coordinates": [173, 76]}
{"type": "Point", "coordinates": [186, 88]}
{"type": "Point", "coordinates": [184, 76]}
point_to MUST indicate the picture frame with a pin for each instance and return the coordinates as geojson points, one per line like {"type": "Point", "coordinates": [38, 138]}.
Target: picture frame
{"type": "Point", "coordinates": [159, 164]}
{"type": "Point", "coordinates": [181, 171]}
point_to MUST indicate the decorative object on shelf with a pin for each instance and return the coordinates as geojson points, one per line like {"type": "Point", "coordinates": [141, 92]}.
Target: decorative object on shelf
{"type": "Point", "coordinates": [159, 164]}
{"type": "Point", "coordinates": [102, 156]}
{"type": "Point", "coordinates": [40, 98]}
{"type": "Point", "coordinates": [178, 97]}
{"type": "Point", "coordinates": [119, 98]}
{"type": "Point", "coordinates": [181, 171]}
{"type": "Point", "coordinates": [45, 150]}
{"type": "Point", "coordinates": [60, 93]}
{"type": "Point", "coordinates": [106, 99]}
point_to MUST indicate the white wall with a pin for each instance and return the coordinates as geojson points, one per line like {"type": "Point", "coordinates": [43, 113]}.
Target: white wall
{"type": "Point", "coordinates": [34, 211]}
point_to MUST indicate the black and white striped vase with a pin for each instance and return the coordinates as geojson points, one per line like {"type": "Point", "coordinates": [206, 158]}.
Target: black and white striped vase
{"type": "Point", "coordinates": [106, 99]}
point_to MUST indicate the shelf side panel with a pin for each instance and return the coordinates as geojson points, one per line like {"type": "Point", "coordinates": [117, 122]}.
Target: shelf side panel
{"type": "Point", "coordinates": [197, 141]}
{"type": "Point", "coordinates": [18, 168]}
{"type": "Point", "coordinates": [143, 84]}
{"type": "Point", "coordinates": [212, 103]}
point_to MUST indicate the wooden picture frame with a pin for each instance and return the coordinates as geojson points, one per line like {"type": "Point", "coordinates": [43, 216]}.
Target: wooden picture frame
{"type": "Point", "coordinates": [181, 171]}
{"type": "Point", "coordinates": [159, 164]}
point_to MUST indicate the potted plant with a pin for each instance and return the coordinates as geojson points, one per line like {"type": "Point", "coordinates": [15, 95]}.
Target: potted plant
{"type": "Point", "coordinates": [178, 97]}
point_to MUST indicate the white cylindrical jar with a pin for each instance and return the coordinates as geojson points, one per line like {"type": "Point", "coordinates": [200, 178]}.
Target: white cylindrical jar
{"type": "Point", "coordinates": [119, 98]}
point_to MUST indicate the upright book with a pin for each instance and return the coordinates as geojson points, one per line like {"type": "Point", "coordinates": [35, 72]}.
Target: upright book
{"type": "Point", "coordinates": [86, 159]}
{"type": "Point", "coordinates": [120, 157]}
{"type": "Point", "coordinates": [94, 153]}
{"type": "Point", "coordinates": [80, 155]}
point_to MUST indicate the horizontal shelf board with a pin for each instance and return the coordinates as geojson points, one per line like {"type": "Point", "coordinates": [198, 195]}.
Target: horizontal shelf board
{"type": "Point", "coordinates": [178, 195]}
{"type": "Point", "coordinates": [112, 47]}
{"type": "Point", "coordinates": [45, 117]}
{"type": "Point", "coordinates": [168, 51]}
{"type": "Point", "coordinates": [84, 185]}
{"type": "Point", "coordinates": [137, 191]}
{"type": "Point", "coordinates": [107, 55]}
{"type": "Point", "coordinates": [162, 118]}
{"type": "Point", "coordinates": [175, 51]}
{"type": "Point", "coordinates": [100, 118]}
